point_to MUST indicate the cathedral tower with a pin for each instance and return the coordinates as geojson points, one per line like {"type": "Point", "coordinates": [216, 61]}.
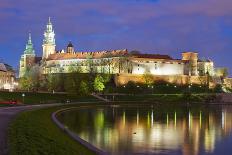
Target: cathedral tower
{"type": "Point", "coordinates": [28, 58]}
{"type": "Point", "coordinates": [49, 43]}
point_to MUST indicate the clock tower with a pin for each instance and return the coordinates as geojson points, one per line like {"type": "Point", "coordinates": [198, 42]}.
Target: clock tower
{"type": "Point", "coordinates": [49, 43]}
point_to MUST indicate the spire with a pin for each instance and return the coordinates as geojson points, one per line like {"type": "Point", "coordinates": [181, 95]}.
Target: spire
{"type": "Point", "coordinates": [49, 20]}
{"type": "Point", "coordinates": [49, 34]}
{"type": "Point", "coordinates": [29, 39]}
{"type": "Point", "coordinates": [29, 46]}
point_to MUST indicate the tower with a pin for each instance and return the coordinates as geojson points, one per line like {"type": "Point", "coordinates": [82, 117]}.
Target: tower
{"type": "Point", "coordinates": [49, 43]}
{"type": "Point", "coordinates": [28, 58]}
{"type": "Point", "coordinates": [192, 58]}
{"type": "Point", "coordinates": [70, 48]}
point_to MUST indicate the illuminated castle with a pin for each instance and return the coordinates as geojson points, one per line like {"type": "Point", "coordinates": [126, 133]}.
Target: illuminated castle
{"type": "Point", "coordinates": [127, 66]}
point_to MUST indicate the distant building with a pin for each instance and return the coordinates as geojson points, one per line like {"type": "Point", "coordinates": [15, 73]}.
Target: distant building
{"type": "Point", "coordinates": [125, 65]}
{"type": "Point", "coordinates": [7, 77]}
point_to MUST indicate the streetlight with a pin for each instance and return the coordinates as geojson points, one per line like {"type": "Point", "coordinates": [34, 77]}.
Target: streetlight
{"type": "Point", "coordinates": [23, 95]}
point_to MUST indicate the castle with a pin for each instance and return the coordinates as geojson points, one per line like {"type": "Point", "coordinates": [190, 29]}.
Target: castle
{"type": "Point", "coordinates": [126, 66]}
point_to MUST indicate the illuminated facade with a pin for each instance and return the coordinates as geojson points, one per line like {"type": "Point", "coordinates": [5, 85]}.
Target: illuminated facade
{"type": "Point", "coordinates": [49, 43]}
{"type": "Point", "coordinates": [7, 77]}
{"type": "Point", "coordinates": [111, 62]}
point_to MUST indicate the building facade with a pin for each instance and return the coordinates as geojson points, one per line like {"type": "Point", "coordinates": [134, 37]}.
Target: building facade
{"type": "Point", "coordinates": [7, 77]}
{"type": "Point", "coordinates": [112, 62]}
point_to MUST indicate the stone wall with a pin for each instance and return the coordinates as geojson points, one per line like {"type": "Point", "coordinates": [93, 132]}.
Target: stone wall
{"type": "Point", "coordinates": [158, 68]}
{"type": "Point", "coordinates": [122, 79]}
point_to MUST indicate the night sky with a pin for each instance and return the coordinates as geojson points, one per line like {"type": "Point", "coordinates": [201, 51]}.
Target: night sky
{"type": "Point", "coordinates": [151, 26]}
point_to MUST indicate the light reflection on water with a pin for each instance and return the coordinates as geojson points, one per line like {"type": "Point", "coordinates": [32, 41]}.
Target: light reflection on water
{"type": "Point", "coordinates": [153, 129]}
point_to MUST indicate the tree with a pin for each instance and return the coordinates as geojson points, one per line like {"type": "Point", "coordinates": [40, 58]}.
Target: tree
{"type": "Point", "coordinates": [35, 76]}
{"type": "Point", "coordinates": [99, 83]}
{"type": "Point", "coordinates": [148, 79]}
{"type": "Point", "coordinates": [31, 79]}
{"type": "Point", "coordinates": [84, 89]}
{"type": "Point", "coordinates": [25, 83]}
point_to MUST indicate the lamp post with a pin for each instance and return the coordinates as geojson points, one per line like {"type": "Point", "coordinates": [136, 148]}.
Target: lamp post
{"type": "Point", "coordinates": [23, 95]}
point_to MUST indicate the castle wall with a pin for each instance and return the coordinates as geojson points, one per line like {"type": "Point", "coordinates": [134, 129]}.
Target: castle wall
{"type": "Point", "coordinates": [158, 68]}
{"type": "Point", "coordinates": [122, 79]}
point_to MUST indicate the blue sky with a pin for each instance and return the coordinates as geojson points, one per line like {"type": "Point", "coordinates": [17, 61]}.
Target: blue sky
{"type": "Point", "coordinates": [151, 26]}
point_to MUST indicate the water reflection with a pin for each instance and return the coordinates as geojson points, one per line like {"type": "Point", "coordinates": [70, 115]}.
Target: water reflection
{"type": "Point", "coordinates": [152, 130]}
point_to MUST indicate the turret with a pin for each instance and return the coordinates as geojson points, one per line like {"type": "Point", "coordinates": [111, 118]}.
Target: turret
{"type": "Point", "coordinates": [70, 48]}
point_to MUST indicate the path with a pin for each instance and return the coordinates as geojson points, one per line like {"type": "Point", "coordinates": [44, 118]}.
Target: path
{"type": "Point", "coordinates": [100, 98]}
{"type": "Point", "coordinates": [7, 114]}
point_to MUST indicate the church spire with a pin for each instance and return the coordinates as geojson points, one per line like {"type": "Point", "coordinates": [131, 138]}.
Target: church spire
{"type": "Point", "coordinates": [49, 20]}
{"type": "Point", "coordinates": [29, 39]}
{"type": "Point", "coordinates": [29, 46]}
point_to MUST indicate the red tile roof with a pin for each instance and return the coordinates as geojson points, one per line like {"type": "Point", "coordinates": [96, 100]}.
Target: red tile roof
{"type": "Point", "coordinates": [84, 55]}
{"type": "Point", "coordinates": [152, 56]}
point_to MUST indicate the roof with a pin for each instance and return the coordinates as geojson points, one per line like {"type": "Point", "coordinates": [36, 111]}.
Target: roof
{"type": "Point", "coordinates": [70, 44]}
{"type": "Point", "coordinates": [153, 56]}
{"type": "Point", "coordinates": [204, 60]}
{"type": "Point", "coordinates": [6, 67]}
{"type": "Point", "coordinates": [85, 55]}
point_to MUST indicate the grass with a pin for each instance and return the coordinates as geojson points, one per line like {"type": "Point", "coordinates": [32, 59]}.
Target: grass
{"type": "Point", "coordinates": [162, 98]}
{"type": "Point", "coordinates": [34, 133]}
{"type": "Point", "coordinates": [40, 98]}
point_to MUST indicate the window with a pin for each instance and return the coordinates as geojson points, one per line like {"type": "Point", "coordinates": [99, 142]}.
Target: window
{"type": "Point", "coordinates": [156, 66]}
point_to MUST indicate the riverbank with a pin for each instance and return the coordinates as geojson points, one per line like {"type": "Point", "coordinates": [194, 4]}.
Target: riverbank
{"type": "Point", "coordinates": [43, 98]}
{"type": "Point", "coordinates": [33, 132]}
{"type": "Point", "coordinates": [163, 98]}
{"type": "Point", "coordinates": [7, 114]}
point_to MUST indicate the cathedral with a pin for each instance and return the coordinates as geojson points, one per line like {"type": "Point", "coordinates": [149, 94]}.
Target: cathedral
{"type": "Point", "coordinates": [125, 65]}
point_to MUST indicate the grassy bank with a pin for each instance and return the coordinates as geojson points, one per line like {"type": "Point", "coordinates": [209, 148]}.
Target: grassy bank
{"type": "Point", "coordinates": [162, 98]}
{"type": "Point", "coordinates": [34, 133]}
{"type": "Point", "coordinates": [40, 98]}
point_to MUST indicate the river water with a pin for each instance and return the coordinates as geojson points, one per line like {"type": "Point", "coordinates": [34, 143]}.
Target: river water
{"type": "Point", "coordinates": [152, 129]}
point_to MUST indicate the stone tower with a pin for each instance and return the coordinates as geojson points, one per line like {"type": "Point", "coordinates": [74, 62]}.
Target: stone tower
{"type": "Point", "coordinates": [49, 43]}
{"type": "Point", "coordinates": [28, 58]}
{"type": "Point", "coordinates": [192, 58]}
